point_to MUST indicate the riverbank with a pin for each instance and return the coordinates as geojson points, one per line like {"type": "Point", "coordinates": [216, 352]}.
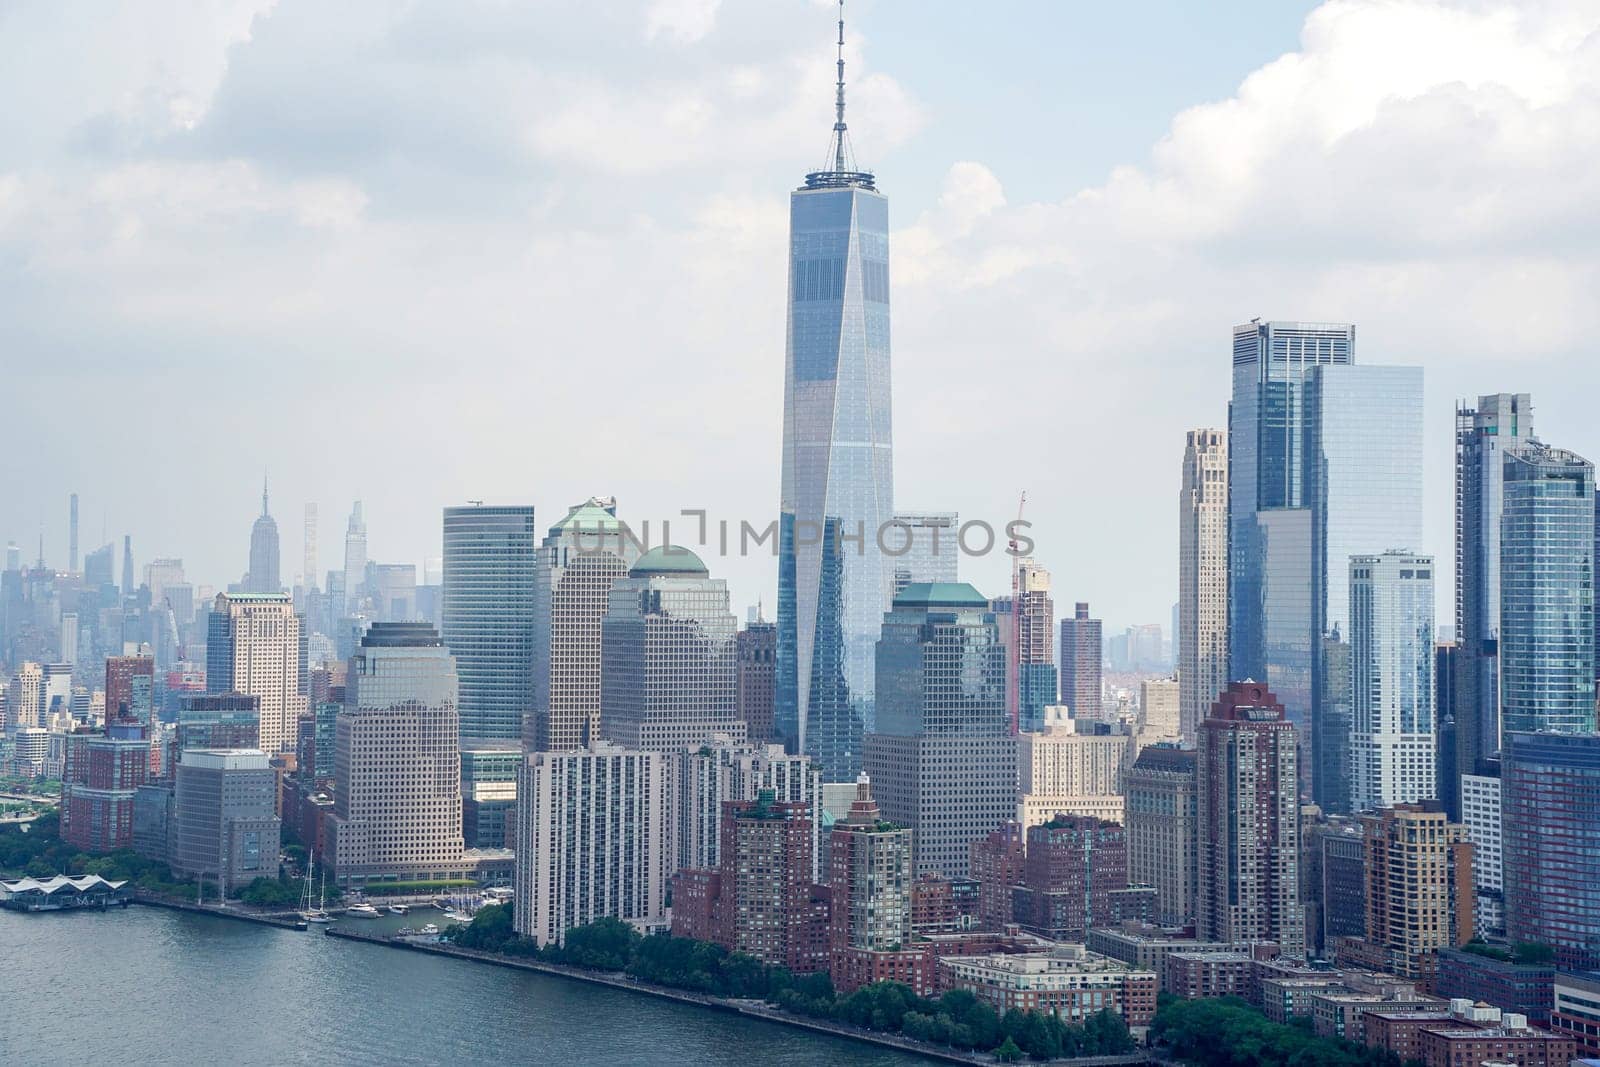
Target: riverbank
{"type": "Point", "coordinates": [282, 920]}
{"type": "Point", "coordinates": [748, 1008]}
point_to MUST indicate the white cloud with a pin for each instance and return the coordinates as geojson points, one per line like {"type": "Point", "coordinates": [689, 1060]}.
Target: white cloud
{"type": "Point", "coordinates": [685, 21]}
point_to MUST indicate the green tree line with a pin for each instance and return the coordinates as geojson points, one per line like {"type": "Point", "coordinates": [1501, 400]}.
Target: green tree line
{"type": "Point", "coordinates": [1227, 1032]}
{"type": "Point", "coordinates": [40, 853]}
{"type": "Point", "coordinates": [957, 1019]}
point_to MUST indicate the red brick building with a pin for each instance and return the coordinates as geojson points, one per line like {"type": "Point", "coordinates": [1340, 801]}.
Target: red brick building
{"type": "Point", "coordinates": [997, 863]}
{"type": "Point", "coordinates": [101, 775]}
{"type": "Point", "coordinates": [1072, 866]}
{"type": "Point", "coordinates": [1458, 1047]}
{"type": "Point", "coordinates": [130, 682]}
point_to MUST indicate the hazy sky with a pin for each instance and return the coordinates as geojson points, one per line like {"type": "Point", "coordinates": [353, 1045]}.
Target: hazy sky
{"type": "Point", "coordinates": [424, 252]}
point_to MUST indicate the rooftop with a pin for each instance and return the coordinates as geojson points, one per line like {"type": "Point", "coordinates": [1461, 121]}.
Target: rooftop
{"type": "Point", "coordinates": [940, 595]}
{"type": "Point", "coordinates": [669, 559]}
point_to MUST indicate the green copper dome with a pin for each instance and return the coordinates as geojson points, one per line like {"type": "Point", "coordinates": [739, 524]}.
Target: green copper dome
{"type": "Point", "coordinates": [592, 516]}
{"type": "Point", "coordinates": [669, 559]}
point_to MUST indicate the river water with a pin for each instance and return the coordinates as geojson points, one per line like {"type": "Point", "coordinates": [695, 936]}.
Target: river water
{"type": "Point", "coordinates": [147, 985]}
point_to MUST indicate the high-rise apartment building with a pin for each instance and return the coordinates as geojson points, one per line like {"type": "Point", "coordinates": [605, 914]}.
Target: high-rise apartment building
{"type": "Point", "coordinates": [130, 686]}
{"type": "Point", "coordinates": [1072, 865]}
{"type": "Point", "coordinates": [225, 823]}
{"type": "Point", "coordinates": [869, 872]}
{"type": "Point", "coordinates": [265, 557]}
{"type": "Point", "coordinates": [1500, 424]}
{"type": "Point", "coordinates": [1547, 651]}
{"type": "Point", "coordinates": [1033, 628]}
{"type": "Point", "coordinates": [1481, 815]}
{"type": "Point", "coordinates": [1392, 682]}
{"type": "Point", "coordinates": [708, 777]}
{"type": "Point", "coordinates": [669, 672]}
{"type": "Point", "coordinates": [1082, 655]}
{"type": "Point", "coordinates": [308, 562]}
{"type": "Point", "coordinates": [1161, 824]}
{"type": "Point", "coordinates": [757, 651]}
{"type": "Point", "coordinates": [580, 560]}
{"type": "Point", "coordinates": [488, 616]}
{"type": "Point", "coordinates": [838, 469]}
{"type": "Point", "coordinates": [253, 647]}
{"type": "Point", "coordinates": [591, 839]}
{"type": "Point", "coordinates": [101, 773]}
{"type": "Point", "coordinates": [1247, 844]}
{"type": "Point", "coordinates": [1550, 804]}
{"type": "Point", "coordinates": [397, 760]}
{"type": "Point", "coordinates": [1418, 891]}
{"type": "Point", "coordinates": [1202, 635]}
{"type": "Point", "coordinates": [942, 760]}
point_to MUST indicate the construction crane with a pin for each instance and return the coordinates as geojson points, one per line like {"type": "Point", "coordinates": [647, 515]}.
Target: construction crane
{"type": "Point", "coordinates": [1014, 653]}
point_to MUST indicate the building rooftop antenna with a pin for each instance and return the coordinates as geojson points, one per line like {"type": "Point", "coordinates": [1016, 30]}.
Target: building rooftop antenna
{"type": "Point", "coordinates": [839, 127]}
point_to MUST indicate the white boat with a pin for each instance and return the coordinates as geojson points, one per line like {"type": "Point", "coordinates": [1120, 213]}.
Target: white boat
{"type": "Point", "coordinates": [314, 914]}
{"type": "Point", "coordinates": [361, 911]}
{"type": "Point", "coordinates": [399, 909]}
{"type": "Point", "coordinates": [429, 929]}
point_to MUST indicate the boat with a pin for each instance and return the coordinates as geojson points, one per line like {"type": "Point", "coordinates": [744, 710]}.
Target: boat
{"type": "Point", "coordinates": [316, 914]}
{"type": "Point", "coordinates": [399, 909]}
{"type": "Point", "coordinates": [362, 910]}
{"type": "Point", "coordinates": [429, 929]}
{"type": "Point", "coordinates": [406, 931]}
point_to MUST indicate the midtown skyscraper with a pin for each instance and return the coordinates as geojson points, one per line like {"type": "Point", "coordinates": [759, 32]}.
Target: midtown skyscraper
{"type": "Point", "coordinates": [265, 557]}
{"type": "Point", "coordinates": [834, 582]}
{"type": "Point", "coordinates": [253, 647]}
{"type": "Point", "coordinates": [488, 616]}
{"type": "Point", "coordinates": [1501, 423]}
{"type": "Point", "coordinates": [1202, 636]}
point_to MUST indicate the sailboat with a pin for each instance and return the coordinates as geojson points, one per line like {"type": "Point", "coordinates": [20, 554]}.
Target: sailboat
{"type": "Point", "coordinates": [314, 914]}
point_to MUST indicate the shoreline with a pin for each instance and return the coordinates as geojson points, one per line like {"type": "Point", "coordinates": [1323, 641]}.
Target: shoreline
{"type": "Point", "coordinates": [747, 1008]}
{"type": "Point", "coordinates": [281, 920]}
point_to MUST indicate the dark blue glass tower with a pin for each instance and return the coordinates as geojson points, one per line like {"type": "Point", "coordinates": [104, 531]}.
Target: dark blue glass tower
{"type": "Point", "coordinates": [838, 487]}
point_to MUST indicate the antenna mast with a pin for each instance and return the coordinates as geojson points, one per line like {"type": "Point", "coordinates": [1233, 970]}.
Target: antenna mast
{"type": "Point", "coordinates": [838, 101]}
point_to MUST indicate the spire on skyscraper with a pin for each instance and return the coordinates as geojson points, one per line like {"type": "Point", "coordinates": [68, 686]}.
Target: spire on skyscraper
{"type": "Point", "coordinates": [841, 167]}
{"type": "Point", "coordinates": [264, 510]}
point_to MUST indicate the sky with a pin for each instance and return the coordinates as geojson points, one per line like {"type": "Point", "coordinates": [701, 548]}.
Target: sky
{"type": "Point", "coordinates": [429, 252]}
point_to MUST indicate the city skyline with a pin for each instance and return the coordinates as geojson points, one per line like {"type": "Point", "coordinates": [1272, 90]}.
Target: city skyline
{"type": "Point", "coordinates": [952, 269]}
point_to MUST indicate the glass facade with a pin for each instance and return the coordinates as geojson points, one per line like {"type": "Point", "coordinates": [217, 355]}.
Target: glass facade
{"type": "Point", "coordinates": [837, 486]}
{"type": "Point", "coordinates": [1547, 654]}
{"type": "Point", "coordinates": [1363, 477]}
{"type": "Point", "coordinates": [1550, 807]}
{"type": "Point", "coordinates": [1391, 679]}
{"type": "Point", "coordinates": [488, 616]}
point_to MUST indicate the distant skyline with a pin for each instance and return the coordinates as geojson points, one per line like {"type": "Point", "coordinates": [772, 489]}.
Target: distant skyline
{"type": "Point", "coordinates": [424, 255]}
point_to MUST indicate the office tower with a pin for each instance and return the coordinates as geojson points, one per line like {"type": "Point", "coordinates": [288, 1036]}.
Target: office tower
{"type": "Point", "coordinates": [1061, 770]}
{"type": "Point", "coordinates": [1547, 652]}
{"type": "Point", "coordinates": [1391, 679]}
{"type": "Point", "coordinates": [391, 589]}
{"type": "Point", "coordinates": [308, 563]}
{"type": "Point", "coordinates": [1160, 709]}
{"type": "Point", "coordinates": [253, 647]}
{"type": "Point", "coordinates": [706, 778]}
{"type": "Point", "coordinates": [355, 560]}
{"type": "Point", "coordinates": [669, 672]}
{"type": "Point", "coordinates": [397, 760]}
{"type": "Point", "coordinates": [1550, 806]}
{"type": "Point", "coordinates": [160, 574]}
{"type": "Point", "coordinates": [1160, 817]}
{"type": "Point", "coordinates": [130, 688]}
{"type": "Point", "coordinates": [1500, 424]}
{"type": "Point", "coordinates": [869, 873]}
{"type": "Point", "coordinates": [489, 792]}
{"type": "Point", "coordinates": [488, 616]}
{"type": "Point", "coordinates": [1481, 815]}
{"type": "Point", "coordinates": [757, 649]}
{"type": "Point", "coordinates": [591, 839]}
{"type": "Point", "coordinates": [226, 827]}
{"type": "Point", "coordinates": [1365, 485]}
{"type": "Point", "coordinates": [1081, 656]}
{"type": "Point", "coordinates": [98, 569]}
{"type": "Point", "coordinates": [68, 638]}
{"type": "Point", "coordinates": [580, 559]}
{"type": "Point", "coordinates": [834, 581]}
{"type": "Point", "coordinates": [942, 760]}
{"type": "Point", "coordinates": [127, 565]}
{"type": "Point", "coordinates": [1418, 891]}
{"type": "Point", "coordinates": [1072, 865]}
{"type": "Point", "coordinates": [1202, 616]}
{"type": "Point", "coordinates": [1247, 844]}
{"type": "Point", "coordinates": [262, 577]}
{"type": "Point", "coordinates": [931, 544]}
{"type": "Point", "coordinates": [100, 775]}
{"type": "Point", "coordinates": [72, 534]}
{"type": "Point", "coordinates": [761, 898]}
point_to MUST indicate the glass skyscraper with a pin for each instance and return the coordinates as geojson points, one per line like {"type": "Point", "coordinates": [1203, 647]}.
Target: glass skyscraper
{"type": "Point", "coordinates": [1391, 680]}
{"type": "Point", "coordinates": [488, 616]}
{"type": "Point", "coordinates": [837, 485]}
{"type": "Point", "coordinates": [1550, 807]}
{"type": "Point", "coordinates": [1547, 653]}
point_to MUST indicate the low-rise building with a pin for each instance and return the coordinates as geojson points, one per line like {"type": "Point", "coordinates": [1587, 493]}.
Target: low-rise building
{"type": "Point", "coordinates": [1576, 1010]}
{"type": "Point", "coordinates": [1523, 988]}
{"type": "Point", "coordinates": [1341, 1014]}
{"type": "Point", "coordinates": [1146, 947]}
{"type": "Point", "coordinates": [1513, 1041]}
{"type": "Point", "coordinates": [1069, 982]}
{"type": "Point", "coordinates": [1192, 975]}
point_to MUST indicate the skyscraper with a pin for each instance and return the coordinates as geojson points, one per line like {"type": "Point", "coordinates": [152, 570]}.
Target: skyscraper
{"type": "Point", "coordinates": [397, 762]}
{"type": "Point", "coordinates": [669, 672]}
{"type": "Point", "coordinates": [1550, 806]}
{"type": "Point", "coordinates": [1160, 804]}
{"type": "Point", "coordinates": [757, 647]}
{"type": "Point", "coordinates": [127, 565]}
{"type": "Point", "coordinates": [1501, 423]}
{"type": "Point", "coordinates": [355, 560]}
{"type": "Point", "coordinates": [308, 565]}
{"type": "Point", "coordinates": [942, 760]}
{"type": "Point", "coordinates": [1082, 651]}
{"type": "Point", "coordinates": [1202, 577]}
{"type": "Point", "coordinates": [1033, 626]}
{"type": "Point", "coordinates": [1392, 683]}
{"type": "Point", "coordinates": [264, 555]}
{"type": "Point", "coordinates": [1247, 804]}
{"type": "Point", "coordinates": [488, 615]}
{"type": "Point", "coordinates": [129, 688]}
{"type": "Point", "coordinates": [869, 871]}
{"type": "Point", "coordinates": [253, 647]}
{"type": "Point", "coordinates": [834, 581]}
{"type": "Point", "coordinates": [72, 534]}
{"type": "Point", "coordinates": [932, 549]}
{"type": "Point", "coordinates": [1547, 653]}
{"type": "Point", "coordinates": [1271, 623]}
{"type": "Point", "coordinates": [582, 556]}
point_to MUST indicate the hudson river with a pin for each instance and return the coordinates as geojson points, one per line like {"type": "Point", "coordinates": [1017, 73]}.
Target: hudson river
{"type": "Point", "coordinates": [146, 985]}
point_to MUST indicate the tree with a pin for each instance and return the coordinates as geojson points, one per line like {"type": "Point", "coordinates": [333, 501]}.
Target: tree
{"type": "Point", "coordinates": [1008, 1052]}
